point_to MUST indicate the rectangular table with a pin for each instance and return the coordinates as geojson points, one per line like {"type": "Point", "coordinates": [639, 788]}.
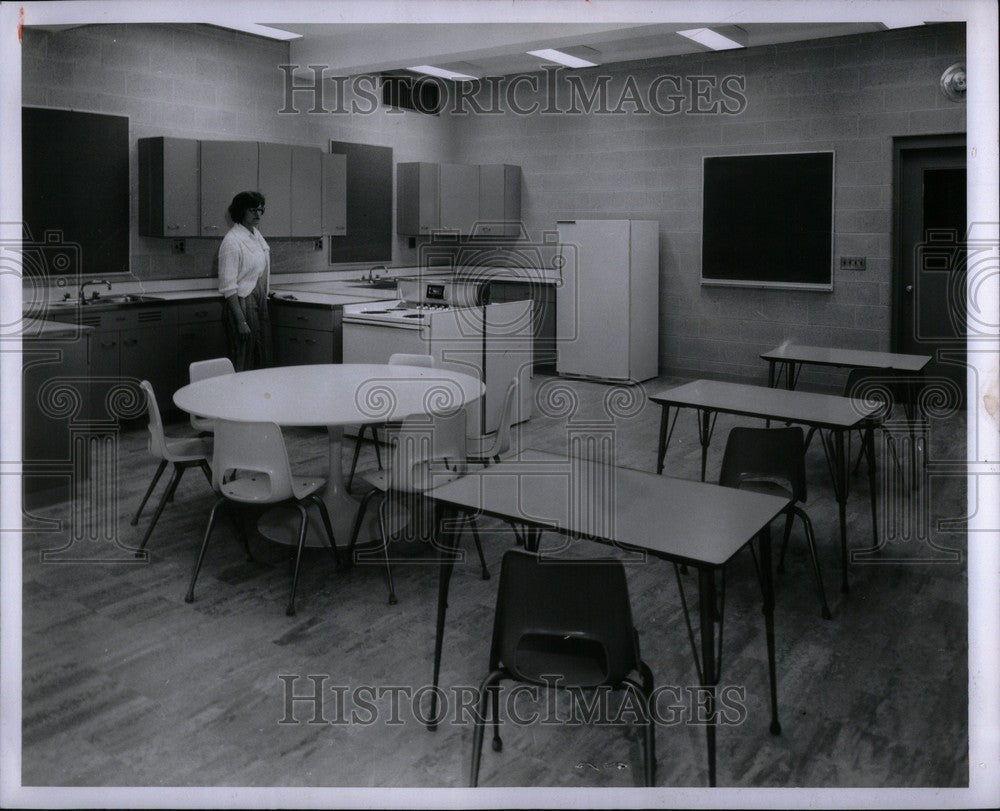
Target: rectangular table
{"type": "Point", "coordinates": [787, 357]}
{"type": "Point", "coordinates": [790, 355]}
{"type": "Point", "coordinates": [701, 525]}
{"type": "Point", "coordinates": [837, 415]}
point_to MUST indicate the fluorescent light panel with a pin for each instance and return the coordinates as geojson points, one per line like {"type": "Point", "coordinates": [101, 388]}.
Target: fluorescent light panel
{"type": "Point", "coordinates": [254, 28]}
{"type": "Point", "coordinates": [442, 73]}
{"type": "Point", "coordinates": [711, 38]}
{"type": "Point", "coordinates": [563, 58]}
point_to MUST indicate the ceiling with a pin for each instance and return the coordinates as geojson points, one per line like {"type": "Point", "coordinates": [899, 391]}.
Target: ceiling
{"type": "Point", "coordinates": [498, 49]}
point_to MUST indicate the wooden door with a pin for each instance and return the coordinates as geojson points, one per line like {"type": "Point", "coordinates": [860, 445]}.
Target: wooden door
{"type": "Point", "coordinates": [307, 195]}
{"type": "Point", "coordinates": [459, 197]}
{"type": "Point", "coordinates": [930, 280]}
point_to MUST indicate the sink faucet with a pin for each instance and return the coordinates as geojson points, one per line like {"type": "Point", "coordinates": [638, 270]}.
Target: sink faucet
{"type": "Point", "coordinates": [371, 270]}
{"type": "Point", "coordinates": [95, 293]}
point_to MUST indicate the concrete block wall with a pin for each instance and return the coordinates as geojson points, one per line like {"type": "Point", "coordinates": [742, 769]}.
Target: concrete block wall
{"type": "Point", "coordinates": [196, 81]}
{"type": "Point", "coordinates": [850, 94]}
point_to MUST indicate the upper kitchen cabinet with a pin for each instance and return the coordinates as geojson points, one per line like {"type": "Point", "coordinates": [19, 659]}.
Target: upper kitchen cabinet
{"type": "Point", "coordinates": [459, 197]}
{"type": "Point", "coordinates": [417, 198]}
{"type": "Point", "coordinates": [274, 181]}
{"type": "Point", "coordinates": [307, 191]}
{"type": "Point", "coordinates": [334, 194]}
{"type": "Point", "coordinates": [227, 168]}
{"type": "Point", "coordinates": [499, 200]}
{"type": "Point", "coordinates": [169, 192]}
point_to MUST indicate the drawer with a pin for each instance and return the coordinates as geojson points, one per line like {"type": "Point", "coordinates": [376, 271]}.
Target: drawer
{"type": "Point", "coordinates": [284, 314]}
{"type": "Point", "coordinates": [127, 317]}
{"type": "Point", "coordinates": [194, 312]}
{"type": "Point", "coordinates": [294, 347]}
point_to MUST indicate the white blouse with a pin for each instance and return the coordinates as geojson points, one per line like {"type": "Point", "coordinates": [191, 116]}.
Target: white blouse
{"type": "Point", "coordinates": [243, 258]}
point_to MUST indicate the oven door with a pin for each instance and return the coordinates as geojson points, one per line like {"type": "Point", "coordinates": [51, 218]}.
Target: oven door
{"type": "Point", "coordinates": [374, 343]}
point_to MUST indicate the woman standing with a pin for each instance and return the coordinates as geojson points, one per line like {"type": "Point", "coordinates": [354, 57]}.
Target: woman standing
{"type": "Point", "coordinates": [244, 268]}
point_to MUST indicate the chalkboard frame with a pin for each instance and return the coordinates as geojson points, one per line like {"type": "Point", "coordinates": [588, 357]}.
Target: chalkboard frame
{"type": "Point", "coordinates": [819, 246]}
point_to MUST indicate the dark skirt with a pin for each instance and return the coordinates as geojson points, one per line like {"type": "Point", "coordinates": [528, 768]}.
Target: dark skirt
{"type": "Point", "coordinates": [251, 351]}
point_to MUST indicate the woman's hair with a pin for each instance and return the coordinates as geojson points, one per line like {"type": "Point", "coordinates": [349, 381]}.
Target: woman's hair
{"type": "Point", "coordinates": [243, 201]}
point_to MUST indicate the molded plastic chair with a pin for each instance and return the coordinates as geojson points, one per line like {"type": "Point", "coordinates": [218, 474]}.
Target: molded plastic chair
{"type": "Point", "coordinates": [250, 467]}
{"type": "Point", "coordinates": [396, 359]}
{"type": "Point", "coordinates": [202, 370]}
{"type": "Point", "coordinates": [772, 461]}
{"type": "Point", "coordinates": [181, 452]}
{"type": "Point", "coordinates": [424, 453]}
{"type": "Point", "coordinates": [569, 619]}
{"type": "Point", "coordinates": [490, 447]}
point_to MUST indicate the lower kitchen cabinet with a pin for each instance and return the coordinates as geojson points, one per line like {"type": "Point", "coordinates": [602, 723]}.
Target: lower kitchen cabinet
{"type": "Point", "coordinates": [200, 336]}
{"type": "Point", "coordinates": [305, 333]}
{"type": "Point", "coordinates": [56, 412]}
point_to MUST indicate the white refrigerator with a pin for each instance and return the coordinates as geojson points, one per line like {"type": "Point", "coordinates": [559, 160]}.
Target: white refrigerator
{"type": "Point", "coordinates": [607, 307]}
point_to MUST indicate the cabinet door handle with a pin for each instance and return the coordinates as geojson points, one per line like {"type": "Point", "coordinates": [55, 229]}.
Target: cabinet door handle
{"type": "Point", "coordinates": [130, 341]}
{"type": "Point", "coordinates": [310, 340]}
{"type": "Point", "coordinates": [200, 313]}
{"type": "Point", "coordinates": [107, 344]}
{"type": "Point", "coordinates": [302, 318]}
{"type": "Point", "coordinates": [211, 228]}
{"type": "Point", "coordinates": [173, 227]}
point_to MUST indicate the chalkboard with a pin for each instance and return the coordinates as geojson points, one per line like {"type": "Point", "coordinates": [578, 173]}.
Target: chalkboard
{"type": "Point", "coordinates": [76, 190]}
{"type": "Point", "coordinates": [768, 221]}
{"type": "Point", "coordinates": [369, 204]}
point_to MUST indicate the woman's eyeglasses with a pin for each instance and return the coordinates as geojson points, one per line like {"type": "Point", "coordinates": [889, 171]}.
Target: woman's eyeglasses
{"type": "Point", "coordinates": [259, 210]}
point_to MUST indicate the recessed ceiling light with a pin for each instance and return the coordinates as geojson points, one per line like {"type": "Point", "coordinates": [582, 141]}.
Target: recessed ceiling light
{"type": "Point", "coordinates": [443, 73]}
{"type": "Point", "coordinates": [563, 58]}
{"type": "Point", "coordinates": [714, 39]}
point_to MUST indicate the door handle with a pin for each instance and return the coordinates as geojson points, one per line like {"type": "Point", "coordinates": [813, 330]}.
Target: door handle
{"type": "Point", "coordinates": [909, 288]}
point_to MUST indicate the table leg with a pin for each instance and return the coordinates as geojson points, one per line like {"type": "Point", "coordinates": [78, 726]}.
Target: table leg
{"type": "Point", "coordinates": [872, 480]}
{"type": "Point", "coordinates": [447, 546]}
{"type": "Point", "coordinates": [706, 425]}
{"type": "Point", "coordinates": [770, 374]}
{"type": "Point", "coordinates": [709, 676]}
{"type": "Point", "coordinates": [281, 524]}
{"type": "Point", "coordinates": [842, 479]}
{"type": "Point", "coordinates": [661, 445]}
{"type": "Point", "coordinates": [767, 587]}
{"type": "Point", "coordinates": [790, 375]}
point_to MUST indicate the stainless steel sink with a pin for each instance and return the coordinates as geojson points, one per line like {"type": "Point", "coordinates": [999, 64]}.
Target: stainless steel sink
{"type": "Point", "coordinates": [103, 301]}
{"type": "Point", "coordinates": [381, 284]}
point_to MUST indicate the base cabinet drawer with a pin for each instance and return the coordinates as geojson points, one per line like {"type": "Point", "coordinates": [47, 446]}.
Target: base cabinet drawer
{"type": "Point", "coordinates": [297, 347]}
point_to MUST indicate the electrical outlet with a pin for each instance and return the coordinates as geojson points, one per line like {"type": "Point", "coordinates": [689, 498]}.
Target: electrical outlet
{"type": "Point", "coordinates": [318, 244]}
{"type": "Point", "coordinates": [852, 263]}
{"type": "Point", "coordinates": [178, 246]}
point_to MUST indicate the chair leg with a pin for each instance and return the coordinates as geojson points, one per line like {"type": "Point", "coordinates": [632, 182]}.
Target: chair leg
{"type": "Point", "coordinates": [647, 687]}
{"type": "Point", "coordinates": [784, 542]}
{"type": "Point", "coordinates": [378, 452]}
{"type": "Point", "coordinates": [207, 471]}
{"type": "Point", "coordinates": [385, 550]}
{"type": "Point", "coordinates": [647, 730]}
{"type": "Point", "coordinates": [479, 547]}
{"type": "Point", "coordinates": [303, 525]}
{"type": "Point", "coordinates": [189, 597]}
{"type": "Point", "coordinates": [168, 494]}
{"type": "Point", "coordinates": [495, 704]}
{"type": "Point", "coordinates": [485, 689]}
{"type": "Point", "coordinates": [149, 491]}
{"type": "Point", "coordinates": [357, 453]}
{"type": "Point", "coordinates": [325, 515]}
{"type": "Point", "coordinates": [357, 525]}
{"type": "Point", "coordinates": [811, 540]}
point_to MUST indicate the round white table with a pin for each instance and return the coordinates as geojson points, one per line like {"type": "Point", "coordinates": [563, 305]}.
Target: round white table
{"type": "Point", "coordinates": [333, 395]}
